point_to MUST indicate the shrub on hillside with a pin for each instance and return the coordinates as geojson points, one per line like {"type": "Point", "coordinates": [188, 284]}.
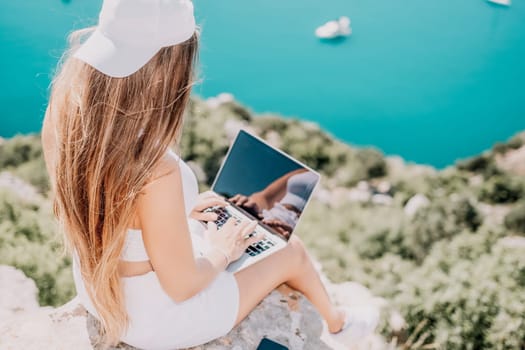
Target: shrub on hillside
{"type": "Point", "coordinates": [22, 156]}
{"type": "Point", "coordinates": [483, 164]}
{"type": "Point", "coordinates": [308, 145]}
{"type": "Point", "coordinates": [20, 149]}
{"type": "Point", "coordinates": [35, 173]}
{"type": "Point", "coordinates": [440, 268]}
{"type": "Point", "coordinates": [475, 164]}
{"type": "Point", "coordinates": [449, 182]}
{"type": "Point", "coordinates": [470, 294]}
{"type": "Point", "coordinates": [514, 143]}
{"type": "Point", "coordinates": [500, 148]}
{"type": "Point", "coordinates": [204, 141]}
{"type": "Point", "coordinates": [515, 219]}
{"type": "Point", "coordinates": [406, 188]}
{"type": "Point", "coordinates": [467, 292]}
{"type": "Point", "coordinates": [517, 141]}
{"type": "Point", "coordinates": [502, 189]}
{"type": "Point", "coordinates": [28, 242]}
{"type": "Point", "coordinates": [373, 162]}
{"type": "Point", "coordinates": [381, 242]}
{"type": "Point", "coordinates": [441, 220]}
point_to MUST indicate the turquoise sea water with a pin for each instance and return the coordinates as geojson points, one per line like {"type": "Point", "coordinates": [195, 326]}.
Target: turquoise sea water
{"type": "Point", "coordinates": [431, 80]}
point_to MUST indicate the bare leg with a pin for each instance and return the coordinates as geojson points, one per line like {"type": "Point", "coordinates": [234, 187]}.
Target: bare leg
{"type": "Point", "coordinates": [292, 266]}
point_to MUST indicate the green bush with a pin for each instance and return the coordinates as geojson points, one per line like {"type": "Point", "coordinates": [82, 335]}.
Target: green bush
{"type": "Point", "coordinates": [373, 163]}
{"type": "Point", "coordinates": [500, 148]}
{"type": "Point", "coordinates": [308, 145]}
{"type": "Point", "coordinates": [441, 220]}
{"type": "Point", "coordinates": [22, 156]}
{"type": "Point", "coordinates": [449, 182]}
{"type": "Point", "coordinates": [476, 164]}
{"type": "Point", "coordinates": [20, 149]}
{"type": "Point", "coordinates": [517, 141]}
{"type": "Point", "coordinates": [28, 241]}
{"type": "Point", "coordinates": [502, 189]}
{"type": "Point", "coordinates": [35, 173]}
{"type": "Point", "coordinates": [469, 292]}
{"type": "Point", "coordinates": [515, 219]}
{"type": "Point", "coordinates": [204, 141]}
{"type": "Point", "coordinates": [514, 143]}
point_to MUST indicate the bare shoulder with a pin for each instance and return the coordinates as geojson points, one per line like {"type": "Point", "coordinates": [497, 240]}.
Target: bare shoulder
{"type": "Point", "coordinates": [166, 172]}
{"type": "Point", "coordinates": [161, 198]}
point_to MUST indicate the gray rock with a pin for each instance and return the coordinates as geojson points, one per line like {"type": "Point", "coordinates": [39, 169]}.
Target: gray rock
{"type": "Point", "coordinates": [513, 242]}
{"type": "Point", "coordinates": [415, 203]}
{"type": "Point", "coordinates": [382, 199]}
{"type": "Point", "coordinates": [21, 188]}
{"type": "Point", "coordinates": [46, 328]}
{"type": "Point", "coordinates": [284, 316]}
{"type": "Point", "coordinates": [274, 139]}
{"type": "Point", "coordinates": [18, 293]}
{"type": "Point", "coordinates": [214, 102]}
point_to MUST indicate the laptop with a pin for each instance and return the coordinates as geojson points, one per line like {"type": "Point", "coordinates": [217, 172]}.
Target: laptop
{"type": "Point", "coordinates": [262, 183]}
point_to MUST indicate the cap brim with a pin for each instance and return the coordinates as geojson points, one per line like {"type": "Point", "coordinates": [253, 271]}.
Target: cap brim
{"type": "Point", "coordinates": [111, 59]}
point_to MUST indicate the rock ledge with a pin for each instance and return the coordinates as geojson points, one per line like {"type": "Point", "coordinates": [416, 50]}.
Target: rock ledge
{"type": "Point", "coordinates": [284, 316]}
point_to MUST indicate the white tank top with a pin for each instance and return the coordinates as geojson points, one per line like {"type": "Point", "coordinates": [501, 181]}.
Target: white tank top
{"type": "Point", "coordinates": [134, 249]}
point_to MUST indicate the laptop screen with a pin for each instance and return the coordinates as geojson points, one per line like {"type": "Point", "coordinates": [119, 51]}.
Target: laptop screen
{"type": "Point", "coordinates": [267, 184]}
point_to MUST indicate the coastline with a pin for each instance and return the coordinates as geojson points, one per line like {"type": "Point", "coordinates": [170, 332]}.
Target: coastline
{"type": "Point", "coordinates": [414, 236]}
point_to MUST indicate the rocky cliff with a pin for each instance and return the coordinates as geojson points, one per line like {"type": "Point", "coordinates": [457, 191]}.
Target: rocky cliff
{"type": "Point", "coordinates": [284, 316]}
{"type": "Point", "coordinates": [444, 247]}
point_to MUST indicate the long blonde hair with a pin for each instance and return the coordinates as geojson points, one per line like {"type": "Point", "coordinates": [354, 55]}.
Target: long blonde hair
{"type": "Point", "coordinates": [111, 133]}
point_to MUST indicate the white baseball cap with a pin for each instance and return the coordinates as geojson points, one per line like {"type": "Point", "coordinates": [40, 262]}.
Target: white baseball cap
{"type": "Point", "coordinates": [131, 32]}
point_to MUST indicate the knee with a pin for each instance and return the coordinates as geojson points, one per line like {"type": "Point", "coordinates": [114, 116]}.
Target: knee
{"type": "Point", "coordinates": [297, 250]}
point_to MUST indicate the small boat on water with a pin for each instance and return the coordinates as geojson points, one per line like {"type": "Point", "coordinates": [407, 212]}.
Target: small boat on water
{"type": "Point", "coordinates": [335, 29]}
{"type": "Point", "coordinates": [500, 2]}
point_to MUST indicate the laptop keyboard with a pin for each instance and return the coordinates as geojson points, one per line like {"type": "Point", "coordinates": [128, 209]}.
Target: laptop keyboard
{"type": "Point", "coordinates": [223, 216]}
{"type": "Point", "coordinates": [253, 249]}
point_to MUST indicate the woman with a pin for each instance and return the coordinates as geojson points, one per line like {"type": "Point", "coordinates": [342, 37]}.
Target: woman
{"type": "Point", "coordinates": [124, 200]}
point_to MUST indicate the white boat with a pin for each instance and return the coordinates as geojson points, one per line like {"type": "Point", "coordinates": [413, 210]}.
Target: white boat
{"type": "Point", "coordinates": [335, 29]}
{"type": "Point", "coordinates": [500, 2]}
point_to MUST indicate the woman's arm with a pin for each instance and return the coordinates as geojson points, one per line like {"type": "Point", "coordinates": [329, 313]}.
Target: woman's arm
{"type": "Point", "coordinates": [167, 239]}
{"type": "Point", "coordinates": [168, 243]}
{"type": "Point", "coordinates": [266, 198]}
{"type": "Point", "coordinates": [275, 191]}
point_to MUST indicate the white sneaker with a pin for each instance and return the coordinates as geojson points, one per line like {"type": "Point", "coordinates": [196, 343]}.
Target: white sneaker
{"type": "Point", "coordinates": [360, 321]}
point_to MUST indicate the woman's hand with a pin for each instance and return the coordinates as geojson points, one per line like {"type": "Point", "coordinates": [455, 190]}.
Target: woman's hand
{"type": "Point", "coordinates": [207, 200]}
{"type": "Point", "coordinates": [279, 226]}
{"type": "Point", "coordinates": [253, 204]}
{"type": "Point", "coordinates": [232, 239]}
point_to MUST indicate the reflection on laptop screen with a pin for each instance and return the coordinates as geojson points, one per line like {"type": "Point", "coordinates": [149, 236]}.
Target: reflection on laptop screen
{"type": "Point", "coordinates": [266, 183]}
